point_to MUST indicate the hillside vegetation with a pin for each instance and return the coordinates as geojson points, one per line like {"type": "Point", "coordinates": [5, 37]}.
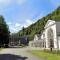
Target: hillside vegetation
{"type": "Point", "coordinates": [38, 27]}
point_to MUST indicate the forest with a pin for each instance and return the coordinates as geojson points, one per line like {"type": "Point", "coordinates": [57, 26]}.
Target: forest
{"type": "Point", "coordinates": [38, 27]}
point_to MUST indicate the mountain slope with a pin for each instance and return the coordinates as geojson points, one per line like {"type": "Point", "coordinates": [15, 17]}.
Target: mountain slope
{"type": "Point", "coordinates": [38, 27]}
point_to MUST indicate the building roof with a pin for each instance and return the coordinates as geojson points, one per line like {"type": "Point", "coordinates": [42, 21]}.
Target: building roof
{"type": "Point", "coordinates": [38, 35]}
{"type": "Point", "coordinates": [49, 23]}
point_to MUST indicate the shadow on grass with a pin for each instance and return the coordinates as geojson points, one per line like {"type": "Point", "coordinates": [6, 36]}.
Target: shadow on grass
{"type": "Point", "coordinates": [11, 57]}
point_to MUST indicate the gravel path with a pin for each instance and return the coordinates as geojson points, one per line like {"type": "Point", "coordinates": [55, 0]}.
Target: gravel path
{"type": "Point", "coordinates": [17, 54]}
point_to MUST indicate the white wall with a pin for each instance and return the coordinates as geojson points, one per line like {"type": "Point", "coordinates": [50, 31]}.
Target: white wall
{"type": "Point", "coordinates": [53, 27]}
{"type": "Point", "coordinates": [42, 36]}
{"type": "Point", "coordinates": [59, 42]}
{"type": "Point", "coordinates": [58, 26]}
{"type": "Point", "coordinates": [58, 32]}
{"type": "Point", "coordinates": [35, 38]}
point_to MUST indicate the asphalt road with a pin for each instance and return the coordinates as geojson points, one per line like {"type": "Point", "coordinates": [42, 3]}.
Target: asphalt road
{"type": "Point", "coordinates": [17, 54]}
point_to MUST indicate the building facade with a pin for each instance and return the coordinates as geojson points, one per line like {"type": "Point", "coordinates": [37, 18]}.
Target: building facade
{"type": "Point", "coordinates": [37, 42]}
{"type": "Point", "coordinates": [18, 41]}
{"type": "Point", "coordinates": [50, 36]}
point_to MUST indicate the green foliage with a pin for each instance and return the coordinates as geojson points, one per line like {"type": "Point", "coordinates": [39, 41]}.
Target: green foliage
{"type": "Point", "coordinates": [38, 27]}
{"type": "Point", "coordinates": [4, 32]}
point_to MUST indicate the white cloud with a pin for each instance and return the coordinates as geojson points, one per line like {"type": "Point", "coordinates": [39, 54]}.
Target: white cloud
{"type": "Point", "coordinates": [55, 2]}
{"type": "Point", "coordinates": [19, 2]}
{"type": "Point", "coordinates": [9, 23]}
{"type": "Point", "coordinates": [5, 2]}
{"type": "Point", "coordinates": [17, 25]}
{"type": "Point", "coordinates": [14, 27]}
{"type": "Point", "coordinates": [28, 22]}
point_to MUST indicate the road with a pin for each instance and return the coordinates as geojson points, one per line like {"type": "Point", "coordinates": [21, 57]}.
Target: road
{"type": "Point", "coordinates": [17, 54]}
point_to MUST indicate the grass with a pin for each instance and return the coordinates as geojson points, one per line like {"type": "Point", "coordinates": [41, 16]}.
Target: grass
{"type": "Point", "coordinates": [46, 55]}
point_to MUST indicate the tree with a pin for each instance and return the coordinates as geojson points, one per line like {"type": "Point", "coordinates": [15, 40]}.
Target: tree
{"type": "Point", "coordinates": [23, 30]}
{"type": "Point", "coordinates": [4, 33]}
{"type": "Point", "coordinates": [38, 26]}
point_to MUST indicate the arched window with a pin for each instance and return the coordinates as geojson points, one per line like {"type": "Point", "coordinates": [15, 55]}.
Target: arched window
{"type": "Point", "coordinates": [50, 38]}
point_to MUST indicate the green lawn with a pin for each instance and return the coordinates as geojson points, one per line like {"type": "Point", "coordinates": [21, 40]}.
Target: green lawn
{"type": "Point", "coordinates": [46, 55]}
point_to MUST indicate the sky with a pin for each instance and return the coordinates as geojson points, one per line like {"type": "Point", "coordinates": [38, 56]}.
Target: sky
{"type": "Point", "coordinates": [19, 13]}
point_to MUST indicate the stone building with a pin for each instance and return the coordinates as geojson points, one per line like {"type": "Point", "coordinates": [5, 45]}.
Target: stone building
{"type": "Point", "coordinates": [38, 41]}
{"type": "Point", "coordinates": [50, 36]}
